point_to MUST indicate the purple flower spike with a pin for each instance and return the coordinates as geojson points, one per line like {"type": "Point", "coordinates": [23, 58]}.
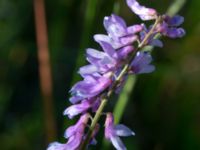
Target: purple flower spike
{"type": "Point", "coordinates": [143, 12]}
{"type": "Point", "coordinates": [112, 132]}
{"type": "Point", "coordinates": [91, 86]}
{"type": "Point", "coordinates": [141, 63]}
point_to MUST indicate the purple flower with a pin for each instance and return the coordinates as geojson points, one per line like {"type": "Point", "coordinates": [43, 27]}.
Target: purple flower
{"type": "Point", "coordinates": [91, 86]}
{"type": "Point", "coordinates": [174, 21]}
{"type": "Point", "coordinates": [141, 63]}
{"type": "Point", "coordinates": [101, 62]}
{"type": "Point", "coordinates": [119, 35]}
{"type": "Point", "coordinates": [112, 132]}
{"type": "Point", "coordinates": [72, 144]}
{"type": "Point", "coordinates": [115, 26]}
{"type": "Point", "coordinates": [74, 134]}
{"type": "Point", "coordinates": [78, 127]}
{"type": "Point", "coordinates": [170, 28]}
{"type": "Point", "coordinates": [82, 107]}
{"type": "Point", "coordinates": [76, 109]}
{"type": "Point", "coordinates": [143, 12]}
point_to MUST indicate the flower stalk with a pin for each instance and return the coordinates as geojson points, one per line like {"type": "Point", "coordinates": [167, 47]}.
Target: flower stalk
{"type": "Point", "coordinates": [113, 88]}
{"type": "Point", "coordinates": [108, 72]}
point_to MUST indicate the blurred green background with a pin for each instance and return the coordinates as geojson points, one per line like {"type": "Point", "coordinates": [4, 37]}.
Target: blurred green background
{"type": "Point", "coordinates": [163, 109]}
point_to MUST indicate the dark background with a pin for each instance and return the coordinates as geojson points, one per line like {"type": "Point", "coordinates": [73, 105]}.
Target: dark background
{"type": "Point", "coordinates": [164, 108]}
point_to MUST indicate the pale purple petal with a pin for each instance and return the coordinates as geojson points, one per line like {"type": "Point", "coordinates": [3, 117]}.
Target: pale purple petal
{"type": "Point", "coordinates": [88, 69]}
{"type": "Point", "coordinates": [77, 109]}
{"type": "Point", "coordinates": [108, 49]}
{"type": "Point", "coordinates": [74, 141]}
{"type": "Point", "coordinates": [90, 87]}
{"type": "Point", "coordinates": [95, 53]}
{"type": "Point", "coordinates": [156, 42]}
{"type": "Point", "coordinates": [107, 61]}
{"type": "Point", "coordinates": [141, 63]}
{"type": "Point", "coordinates": [102, 37]}
{"type": "Point", "coordinates": [117, 143]}
{"type": "Point", "coordinates": [70, 131]}
{"type": "Point", "coordinates": [147, 69]}
{"type": "Point", "coordinates": [109, 124]}
{"type": "Point", "coordinates": [128, 39]}
{"type": "Point", "coordinates": [124, 52]}
{"type": "Point", "coordinates": [115, 26]}
{"type": "Point", "coordinates": [78, 127]}
{"type": "Point", "coordinates": [142, 58]}
{"type": "Point", "coordinates": [75, 99]}
{"type": "Point", "coordinates": [175, 32]}
{"type": "Point", "coordinates": [122, 130]}
{"type": "Point", "coordinates": [143, 12]}
{"type": "Point", "coordinates": [56, 146]}
{"type": "Point", "coordinates": [134, 29]}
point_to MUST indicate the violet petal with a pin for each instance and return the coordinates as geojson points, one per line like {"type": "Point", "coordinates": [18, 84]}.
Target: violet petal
{"type": "Point", "coordinates": [117, 143]}
{"type": "Point", "coordinates": [122, 130]}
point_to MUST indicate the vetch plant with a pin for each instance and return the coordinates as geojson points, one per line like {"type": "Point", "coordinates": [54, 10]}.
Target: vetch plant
{"type": "Point", "coordinates": [123, 54]}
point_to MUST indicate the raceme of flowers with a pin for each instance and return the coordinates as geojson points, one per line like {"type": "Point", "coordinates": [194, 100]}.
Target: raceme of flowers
{"type": "Point", "coordinates": [122, 45]}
